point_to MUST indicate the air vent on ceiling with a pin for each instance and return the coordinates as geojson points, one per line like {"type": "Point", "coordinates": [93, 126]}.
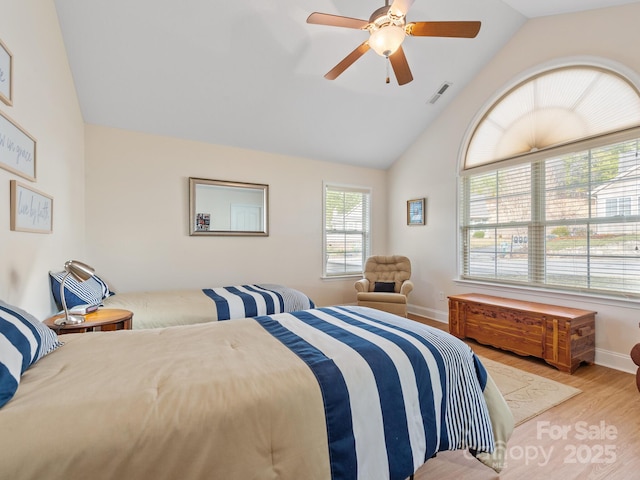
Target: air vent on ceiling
{"type": "Point", "coordinates": [439, 93]}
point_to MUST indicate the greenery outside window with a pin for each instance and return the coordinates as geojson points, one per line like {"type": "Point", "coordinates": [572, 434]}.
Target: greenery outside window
{"type": "Point", "coordinates": [346, 229]}
{"type": "Point", "coordinates": [562, 217]}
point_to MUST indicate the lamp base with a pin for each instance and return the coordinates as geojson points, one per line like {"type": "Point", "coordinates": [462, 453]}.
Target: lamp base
{"type": "Point", "coordinates": [69, 320]}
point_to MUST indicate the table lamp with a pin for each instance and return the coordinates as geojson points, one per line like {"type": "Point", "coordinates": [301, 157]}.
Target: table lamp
{"type": "Point", "coordinates": [81, 272]}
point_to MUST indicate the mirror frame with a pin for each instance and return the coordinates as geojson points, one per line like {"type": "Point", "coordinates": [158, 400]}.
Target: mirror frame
{"type": "Point", "coordinates": [195, 182]}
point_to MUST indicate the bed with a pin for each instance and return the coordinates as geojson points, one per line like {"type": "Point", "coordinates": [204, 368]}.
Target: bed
{"type": "Point", "coordinates": [157, 309]}
{"type": "Point", "coordinates": [325, 393]}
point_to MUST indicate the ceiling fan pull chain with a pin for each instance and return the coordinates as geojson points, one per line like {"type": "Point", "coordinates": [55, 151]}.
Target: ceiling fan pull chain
{"type": "Point", "coordinates": [387, 62]}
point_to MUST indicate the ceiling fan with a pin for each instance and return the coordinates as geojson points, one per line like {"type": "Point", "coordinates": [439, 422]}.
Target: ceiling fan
{"type": "Point", "coordinates": [387, 29]}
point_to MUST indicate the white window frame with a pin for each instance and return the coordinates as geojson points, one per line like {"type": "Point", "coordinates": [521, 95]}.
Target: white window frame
{"type": "Point", "coordinates": [614, 134]}
{"type": "Point", "coordinates": [537, 225]}
{"type": "Point", "coordinates": [364, 232]}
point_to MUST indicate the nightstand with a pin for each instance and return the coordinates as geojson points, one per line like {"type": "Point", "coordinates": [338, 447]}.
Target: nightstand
{"type": "Point", "coordinates": [103, 319]}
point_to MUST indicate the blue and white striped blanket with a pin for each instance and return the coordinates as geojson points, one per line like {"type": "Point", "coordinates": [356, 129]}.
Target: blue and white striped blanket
{"type": "Point", "coordinates": [253, 300]}
{"type": "Point", "coordinates": [340, 393]}
{"type": "Point", "coordinates": [167, 308]}
{"type": "Point", "coordinates": [395, 392]}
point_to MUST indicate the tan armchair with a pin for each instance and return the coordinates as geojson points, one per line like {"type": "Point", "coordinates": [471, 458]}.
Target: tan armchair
{"type": "Point", "coordinates": [392, 274]}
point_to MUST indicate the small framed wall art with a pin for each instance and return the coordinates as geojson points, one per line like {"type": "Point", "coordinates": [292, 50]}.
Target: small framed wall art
{"type": "Point", "coordinates": [31, 210]}
{"type": "Point", "coordinates": [416, 211]}
{"type": "Point", "coordinates": [17, 149]}
{"type": "Point", "coordinates": [6, 74]}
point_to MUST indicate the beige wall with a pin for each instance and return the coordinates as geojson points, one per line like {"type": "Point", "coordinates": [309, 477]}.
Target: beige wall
{"type": "Point", "coordinates": [137, 221]}
{"type": "Point", "coordinates": [429, 167]}
{"type": "Point", "coordinates": [136, 200]}
{"type": "Point", "coordinates": [44, 104]}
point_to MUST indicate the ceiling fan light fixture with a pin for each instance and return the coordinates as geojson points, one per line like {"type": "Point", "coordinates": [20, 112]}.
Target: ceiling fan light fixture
{"type": "Point", "coordinates": [387, 28]}
{"type": "Point", "coordinates": [387, 39]}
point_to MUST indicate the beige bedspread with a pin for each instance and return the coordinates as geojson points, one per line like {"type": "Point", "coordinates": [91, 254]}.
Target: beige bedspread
{"type": "Point", "coordinates": [222, 400]}
{"type": "Point", "coordinates": [168, 308]}
{"type": "Point", "coordinates": [213, 401]}
{"type": "Point", "coordinates": [165, 308]}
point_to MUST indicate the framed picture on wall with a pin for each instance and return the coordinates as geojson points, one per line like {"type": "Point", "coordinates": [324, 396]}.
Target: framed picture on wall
{"type": "Point", "coordinates": [6, 74]}
{"type": "Point", "coordinates": [17, 149]}
{"type": "Point", "coordinates": [31, 210]}
{"type": "Point", "coordinates": [416, 211]}
{"type": "Point", "coordinates": [203, 222]}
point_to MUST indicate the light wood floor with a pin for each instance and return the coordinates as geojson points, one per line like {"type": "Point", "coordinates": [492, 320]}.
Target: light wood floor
{"type": "Point", "coordinates": [602, 424]}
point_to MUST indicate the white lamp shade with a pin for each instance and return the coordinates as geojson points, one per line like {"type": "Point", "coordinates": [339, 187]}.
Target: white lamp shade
{"type": "Point", "coordinates": [386, 40]}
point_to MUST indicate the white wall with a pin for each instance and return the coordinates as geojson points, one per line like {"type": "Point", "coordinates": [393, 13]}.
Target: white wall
{"type": "Point", "coordinates": [429, 168]}
{"type": "Point", "coordinates": [137, 216]}
{"type": "Point", "coordinates": [45, 105]}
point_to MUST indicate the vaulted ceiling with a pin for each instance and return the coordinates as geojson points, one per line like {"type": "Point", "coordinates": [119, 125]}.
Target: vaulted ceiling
{"type": "Point", "coordinates": [249, 73]}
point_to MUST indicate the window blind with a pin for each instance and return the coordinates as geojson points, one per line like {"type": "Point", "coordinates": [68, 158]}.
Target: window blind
{"type": "Point", "coordinates": [346, 232]}
{"type": "Point", "coordinates": [552, 108]}
{"type": "Point", "coordinates": [568, 222]}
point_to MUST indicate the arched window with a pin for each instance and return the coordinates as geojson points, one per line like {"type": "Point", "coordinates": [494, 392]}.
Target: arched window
{"type": "Point", "coordinates": [550, 185]}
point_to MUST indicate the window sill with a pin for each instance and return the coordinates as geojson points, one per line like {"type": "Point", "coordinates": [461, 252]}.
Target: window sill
{"type": "Point", "coordinates": [553, 295]}
{"type": "Point", "coordinates": [342, 277]}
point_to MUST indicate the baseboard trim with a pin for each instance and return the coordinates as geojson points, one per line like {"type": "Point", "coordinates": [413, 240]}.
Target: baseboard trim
{"type": "Point", "coordinates": [615, 360]}
{"type": "Point", "coordinates": [437, 315]}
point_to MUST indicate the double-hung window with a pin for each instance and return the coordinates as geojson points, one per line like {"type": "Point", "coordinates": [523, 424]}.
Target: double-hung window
{"type": "Point", "coordinates": [346, 229]}
{"type": "Point", "coordinates": [564, 222]}
{"type": "Point", "coordinates": [561, 217]}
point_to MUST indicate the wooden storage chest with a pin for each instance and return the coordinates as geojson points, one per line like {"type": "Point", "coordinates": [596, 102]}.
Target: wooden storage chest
{"type": "Point", "coordinates": [563, 337]}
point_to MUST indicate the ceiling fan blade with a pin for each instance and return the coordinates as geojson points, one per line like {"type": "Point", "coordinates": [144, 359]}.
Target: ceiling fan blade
{"type": "Point", "coordinates": [336, 21]}
{"type": "Point", "coordinates": [347, 61]}
{"type": "Point", "coordinates": [443, 29]}
{"type": "Point", "coordinates": [401, 7]}
{"type": "Point", "coordinates": [401, 66]}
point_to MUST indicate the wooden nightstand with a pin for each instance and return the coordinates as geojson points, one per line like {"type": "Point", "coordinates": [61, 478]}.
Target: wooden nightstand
{"type": "Point", "coordinates": [103, 319]}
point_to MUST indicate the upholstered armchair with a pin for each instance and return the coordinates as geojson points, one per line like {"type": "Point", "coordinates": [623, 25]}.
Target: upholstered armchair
{"type": "Point", "coordinates": [386, 284]}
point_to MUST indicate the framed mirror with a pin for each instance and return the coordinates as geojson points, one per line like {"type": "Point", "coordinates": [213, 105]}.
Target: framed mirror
{"type": "Point", "coordinates": [218, 207]}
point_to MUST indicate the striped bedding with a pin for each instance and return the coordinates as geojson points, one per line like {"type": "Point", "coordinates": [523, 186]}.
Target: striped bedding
{"type": "Point", "coordinates": [158, 309]}
{"type": "Point", "coordinates": [340, 393]}
{"type": "Point", "coordinates": [395, 393]}
{"type": "Point", "coordinates": [253, 300]}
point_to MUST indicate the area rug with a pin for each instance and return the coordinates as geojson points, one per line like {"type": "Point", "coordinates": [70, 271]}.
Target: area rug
{"type": "Point", "coordinates": [527, 395]}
